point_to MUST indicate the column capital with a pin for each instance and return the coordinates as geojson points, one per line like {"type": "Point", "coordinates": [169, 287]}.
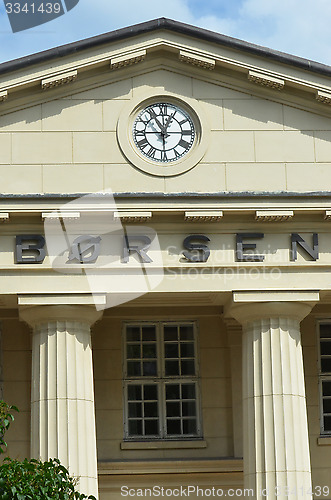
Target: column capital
{"type": "Point", "coordinates": [34, 315]}
{"type": "Point", "coordinates": [250, 306]}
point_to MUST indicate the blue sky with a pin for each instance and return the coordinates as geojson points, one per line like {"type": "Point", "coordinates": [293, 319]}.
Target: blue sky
{"type": "Point", "coordinates": [299, 27]}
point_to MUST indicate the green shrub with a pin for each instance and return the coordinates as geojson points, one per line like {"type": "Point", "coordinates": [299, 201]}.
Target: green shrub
{"type": "Point", "coordinates": [6, 417]}
{"type": "Point", "coordinates": [36, 480]}
{"type": "Point", "coordinates": [33, 479]}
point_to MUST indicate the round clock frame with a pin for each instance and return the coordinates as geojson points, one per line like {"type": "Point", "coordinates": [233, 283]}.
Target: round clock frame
{"type": "Point", "coordinates": [161, 134]}
{"type": "Point", "coordinates": [164, 132]}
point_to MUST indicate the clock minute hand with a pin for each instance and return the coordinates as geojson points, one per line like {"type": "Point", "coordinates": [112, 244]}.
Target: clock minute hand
{"type": "Point", "coordinates": [168, 121]}
{"type": "Point", "coordinates": [162, 127]}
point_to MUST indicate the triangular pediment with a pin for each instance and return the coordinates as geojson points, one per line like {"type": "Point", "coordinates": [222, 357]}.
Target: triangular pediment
{"type": "Point", "coordinates": [260, 120]}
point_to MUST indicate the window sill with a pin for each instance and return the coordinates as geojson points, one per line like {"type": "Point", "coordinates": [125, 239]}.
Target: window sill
{"type": "Point", "coordinates": [207, 466]}
{"type": "Point", "coordinates": [324, 441]}
{"type": "Point", "coordinates": [163, 445]}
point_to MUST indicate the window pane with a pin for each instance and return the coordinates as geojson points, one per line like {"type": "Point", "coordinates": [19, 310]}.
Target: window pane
{"type": "Point", "coordinates": [150, 392]}
{"type": "Point", "coordinates": [189, 426]}
{"type": "Point", "coordinates": [134, 392]}
{"type": "Point", "coordinates": [133, 351]}
{"type": "Point", "coordinates": [172, 391]}
{"type": "Point", "coordinates": [170, 333]}
{"type": "Point", "coordinates": [151, 427]}
{"type": "Point", "coordinates": [172, 368]}
{"type": "Point", "coordinates": [149, 351]}
{"type": "Point", "coordinates": [135, 409]}
{"type": "Point", "coordinates": [188, 367]}
{"type": "Point", "coordinates": [187, 350]}
{"type": "Point", "coordinates": [188, 391]}
{"type": "Point", "coordinates": [173, 427]}
{"type": "Point", "coordinates": [188, 409]}
{"type": "Point", "coordinates": [149, 368]}
{"type": "Point", "coordinates": [326, 405]}
{"type": "Point", "coordinates": [325, 330]}
{"type": "Point", "coordinates": [173, 409]}
{"type": "Point", "coordinates": [326, 386]}
{"type": "Point", "coordinates": [134, 368]}
{"type": "Point", "coordinates": [186, 332]}
{"type": "Point", "coordinates": [171, 351]}
{"type": "Point", "coordinates": [326, 365]}
{"type": "Point", "coordinates": [135, 428]}
{"type": "Point", "coordinates": [148, 333]}
{"type": "Point", "coordinates": [150, 410]}
{"type": "Point", "coordinates": [327, 423]}
{"type": "Point", "coordinates": [325, 347]}
{"type": "Point", "coordinates": [132, 333]}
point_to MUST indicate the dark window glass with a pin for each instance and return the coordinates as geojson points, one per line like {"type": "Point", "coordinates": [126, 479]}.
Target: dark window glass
{"type": "Point", "coordinates": [187, 350]}
{"type": "Point", "coordinates": [173, 409]}
{"type": "Point", "coordinates": [151, 427]}
{"type": "Point", "coordinates": [148, 333]}
{"type": "Point", "coordinates": [188, 367]}
{"type": "Point", "coordinates": [134, 392]}
{"type": "Point", "coordinates": [172, 368]}
{"type": "Point", "coordinates": [150, 410]}
{"type": "Point", "coordinates": [150, 392]}
{"type": "Point", "coordinates": [189, 426]}
{"type": "Point", "coordinates": [325, 330]}
{"type": "Point", "coordinates": [170, 333]}
{"type": "Point", "coordinates": [134, 368]}
{"type": "Point", "coordinates": [149, 368]}
{"type": "Point", "coordinates": [133, 333]}
{"type": "Point", "coordinates": [135, 409]}
{"type": "Point", "coordinates": [325, 347]}
{"type": "Point", "coordinates": [326, 365]}
{"type": "Point", "coordinates": [171, 351]}
{"type": "Point", "coordinates": [327, 405]}
{"type": "Point", "coordinates": [135, 427]}
{"type": "Point", "coordinates": [188, 409]}
{"type": "Point", "coordinates": [186, 332]}
{"type": "Point", "coordinates": [149, 351]}
{"type": "Point", "coordinates": [188, 391]}
{"type": "Point", "coordinates": [172, 391]}
{"type": "Point", "coordinates": [173, 427]}
{"type": "Point", "coordinates": [327, 423]}
{"type": "Point", "coordinates": [133, 351]}
{"type": "Point", "coordinates": [326, 386]}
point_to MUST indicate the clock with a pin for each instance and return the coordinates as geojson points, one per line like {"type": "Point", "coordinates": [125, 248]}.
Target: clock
{"type": "Point", "coordinates": [163, 132]}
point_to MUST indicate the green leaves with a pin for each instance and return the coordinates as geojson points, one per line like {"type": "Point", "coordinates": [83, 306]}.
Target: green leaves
{"type": "Point", "coordinates": [6, 418]}
{"type": "Point", "coordinates": [33, 479]}
{"type": "Point", "coordinates": [36, 480]}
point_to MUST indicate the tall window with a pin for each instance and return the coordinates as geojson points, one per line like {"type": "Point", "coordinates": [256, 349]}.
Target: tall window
{"type": "Point", "coordinates": [325, 375]}
{"type": "Point", "coordinates": [161, 381]}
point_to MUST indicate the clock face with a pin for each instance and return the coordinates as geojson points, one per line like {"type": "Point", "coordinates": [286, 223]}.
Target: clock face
{"type": "Point", "coordinates": [163, 132]}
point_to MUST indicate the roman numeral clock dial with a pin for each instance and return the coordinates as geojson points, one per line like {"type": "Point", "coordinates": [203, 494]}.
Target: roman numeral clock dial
{"type": "Point", "coordinates": [163, 132]}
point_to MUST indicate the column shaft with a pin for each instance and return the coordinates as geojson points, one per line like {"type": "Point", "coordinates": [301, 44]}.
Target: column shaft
{"type": "Point", "coordinates": [62, 394]}
{"type": "Point", "coordinates": [276, 449]}
{"type": "Point", "coordinates": [276, 446]}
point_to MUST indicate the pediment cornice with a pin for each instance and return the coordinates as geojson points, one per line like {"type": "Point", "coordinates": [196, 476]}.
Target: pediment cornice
{"type": "Point", "coordinates": [203, 57]}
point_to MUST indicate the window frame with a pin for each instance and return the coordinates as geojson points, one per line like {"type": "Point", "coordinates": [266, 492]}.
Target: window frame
{"type": "Point", "coordinates": [322, 376]}
{"type": "Point", "coordinates": [161, 380]}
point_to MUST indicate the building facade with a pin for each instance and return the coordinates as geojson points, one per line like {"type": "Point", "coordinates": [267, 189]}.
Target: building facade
{"type": "Point", "coordinates": [200, 166]}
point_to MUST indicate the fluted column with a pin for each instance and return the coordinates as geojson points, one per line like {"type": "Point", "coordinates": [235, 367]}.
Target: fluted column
{"type": "Point", "coordinates": [276, 447]}
{"type": "Point", "coordinates": [62, 394]}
